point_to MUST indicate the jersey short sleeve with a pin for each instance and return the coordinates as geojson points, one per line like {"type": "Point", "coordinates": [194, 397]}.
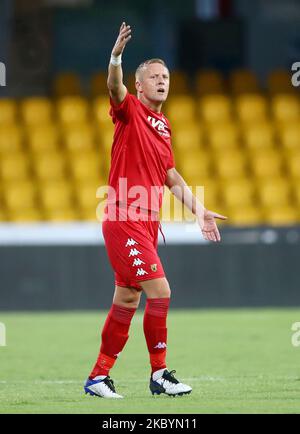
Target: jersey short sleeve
{"type": "Point", "coordinates": [123, 111]}
{"type": "Point", "coordinates": [171, 162]}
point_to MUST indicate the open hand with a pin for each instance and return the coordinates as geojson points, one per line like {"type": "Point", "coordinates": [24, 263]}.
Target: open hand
{"type": "Point", "coordinates": [123, 37]}
{"type": "Point", "coordinates": [209, 227]}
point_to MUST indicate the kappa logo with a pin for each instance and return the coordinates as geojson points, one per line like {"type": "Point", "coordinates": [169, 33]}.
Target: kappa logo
{"type": "Point", "coordinates": [137, 262]}
{"type": "Point", "coordinates": [159, 125]}
{"type": "Point", "coordinates": [141, 272]}
{"type": "Point", "coordinates": [153, 267]}
{"type": "Point", "coordinates": [161, 345]}
{"type": "Point", "coordinates": [130, 242]}
{"type": "Point", "coordinates": [134, 252]}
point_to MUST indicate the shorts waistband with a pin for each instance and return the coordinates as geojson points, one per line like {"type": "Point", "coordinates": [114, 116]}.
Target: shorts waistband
{"type": "Point", "coordinates": [142, 210]}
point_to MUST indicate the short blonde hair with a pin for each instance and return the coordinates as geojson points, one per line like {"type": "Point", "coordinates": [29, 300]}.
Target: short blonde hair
{"type": "Point", "coordinates": [144, 65]}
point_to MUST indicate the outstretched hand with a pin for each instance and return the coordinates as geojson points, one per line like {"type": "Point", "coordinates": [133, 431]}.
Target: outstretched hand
{"type": "Point", "coordinates": [209, 227]}
{"type": "Point", "coordinates": [123, 37]}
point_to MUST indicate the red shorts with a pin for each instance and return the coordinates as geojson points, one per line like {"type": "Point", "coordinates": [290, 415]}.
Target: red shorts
{"type": "Point", "coordinates": [132, 250]}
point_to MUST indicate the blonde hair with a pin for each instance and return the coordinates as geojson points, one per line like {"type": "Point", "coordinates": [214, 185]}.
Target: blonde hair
{"type": "Point", "coordinates": [146, 63]}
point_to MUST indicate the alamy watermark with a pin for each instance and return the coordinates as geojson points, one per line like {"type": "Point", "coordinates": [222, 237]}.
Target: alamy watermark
{"type": "Point", "coordinates": [296, 75]}
{"type": "Point", "coordinates": [2, 335]}
{"type": "Point", "coordinates": [2, 74]}
{"type": "Point", "coordinates": [296, 335]}
{"type": "Point", "coordinates": [136, 199]}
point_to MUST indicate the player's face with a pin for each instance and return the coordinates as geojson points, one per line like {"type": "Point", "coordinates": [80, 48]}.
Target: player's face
{"type": "Point", "coordinates": [154, 82]}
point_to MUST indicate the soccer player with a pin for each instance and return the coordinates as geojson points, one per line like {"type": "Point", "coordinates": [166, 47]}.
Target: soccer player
{"type": "Point", "coordinates": [142, 156]}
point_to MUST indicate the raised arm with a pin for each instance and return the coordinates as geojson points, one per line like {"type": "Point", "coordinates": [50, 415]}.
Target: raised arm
{"type": "Point", "coordinates": [206, 218]}
{"type": "Point", "coordinates": [115, 85]}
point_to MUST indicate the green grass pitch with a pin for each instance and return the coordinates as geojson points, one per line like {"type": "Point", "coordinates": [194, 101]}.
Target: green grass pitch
{"type": "Point", "coordinates": [237, 361]}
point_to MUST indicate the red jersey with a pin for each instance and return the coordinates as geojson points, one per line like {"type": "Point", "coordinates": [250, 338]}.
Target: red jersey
{"type": "Point", "coordinates": [141, 154]}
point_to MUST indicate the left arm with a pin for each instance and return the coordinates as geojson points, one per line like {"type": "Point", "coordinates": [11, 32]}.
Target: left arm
{"type": "Point", "coordinates": [206, 218]}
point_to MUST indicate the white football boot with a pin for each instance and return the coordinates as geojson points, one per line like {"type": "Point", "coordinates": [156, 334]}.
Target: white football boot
{"type": "Point", "coordinates": [102, 386]}
{"type": "Point", "coordinates": [163, 381]}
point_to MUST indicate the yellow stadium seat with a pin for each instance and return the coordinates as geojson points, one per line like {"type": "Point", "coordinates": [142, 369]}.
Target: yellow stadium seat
{"type": "Point", "coordinates": [49, 165]}
{"type": "Point", "coordinates": [274, 191]}
{"type": "Point", "coordinates": [238, 193]}
{"type": "Point", "coordinates": [251, 108]}
{"type": "Point", "coordinates": [8, 111]}
{"type": "Point", "coordinates": [56, 195]}
{"type": "Point", "coordinates": [187, 137]}
{"type": "Point", "coordinates": [293, 164]}
{"type": "Point", "coordinates": [11, 138]}
{"type": "Point", "coordinates": [62, 215]}
{"type": "Point", "coordinates": [266, 163]}
{"type": "Point", "coordinates": [286, 108]}
{"type": "Point", "coordinates": [223, 136]}
{"type": "Point", "coordinates": [85, 166]}
{"type": "Point", "coordinates": [296, 193]}
{"type": "Point", "coordinates": [36, 111]}
{"type": "Point", "coordinates": [86, 193]}
{"type": "Point", "coordinates": [181, 108]}
{"type": "Point", "coordinates": [29, 215]}
{"type": "Point", "coordinates": [258, 136]}
{"type": "Point", "coordinates": [211, 193]}
{"type": "Point", "coordinates": [91, 207]}
{"type": "Point", "coordinates": [243, 81]}
{"type": "Point", "coordinates": [14, 166]}
{"type": "Point", "coordinates": [195, 165]}
{"type": "Point", "coordinates": [106, 139]}
{"type": "Point", "coordinates": [289, 135]}
{"type": "Point", "coordinates": [98, 84]}
{"type": "Point", "coordinates": [230, 164]}
{"type": "Point", "coordinates": [19, 195]}
{"type": "Point", "coordinates": [101, 108]}
{"type": "Point", "coordinates": [215, 108]}
{"type": "Point", "coordinates": [66, 84]}
{"type": "Point", "coordinates": [245, 216]}
{"type": "Point", "coordinates": [106, 164]}
{"type": "Point", "coordinates": [79, 138]}
{"type": "Point", "coordinates": [88, 215]}
{"type": "Point", "coordinates": [3, 215]}
{"type": "Point", "coordinates": [280, 82]}
{"type": "Point", "coordinates": [209, 82]}
{"type": "Point", "coordinates": [43, 138]}
{"type": "Point", "coordinates": [281, 215]}
{"type": "Point", "coordinates": [72, 110]}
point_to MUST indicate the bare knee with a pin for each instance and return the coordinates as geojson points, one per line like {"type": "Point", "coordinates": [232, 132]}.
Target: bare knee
{"type": "Point", "coordinates": [127, 297]}
{"type": "Point", "coordinates": [156, 288]}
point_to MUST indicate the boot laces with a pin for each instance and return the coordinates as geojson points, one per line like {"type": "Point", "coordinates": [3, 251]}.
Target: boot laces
{"type": "Point", "coordinates": [169, 376]}
{"type": "Point", "coordinates": [110, 384]}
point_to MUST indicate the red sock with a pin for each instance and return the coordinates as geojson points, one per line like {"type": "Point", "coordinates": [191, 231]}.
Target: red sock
{"type": "Point", "coordinates": [114, 337]}
{"type": "Point", "coordinates": [155, 329]}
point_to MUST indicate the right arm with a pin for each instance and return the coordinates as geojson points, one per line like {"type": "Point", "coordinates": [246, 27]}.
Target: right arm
{"type": "Point", "coordinates": [115, 85]}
